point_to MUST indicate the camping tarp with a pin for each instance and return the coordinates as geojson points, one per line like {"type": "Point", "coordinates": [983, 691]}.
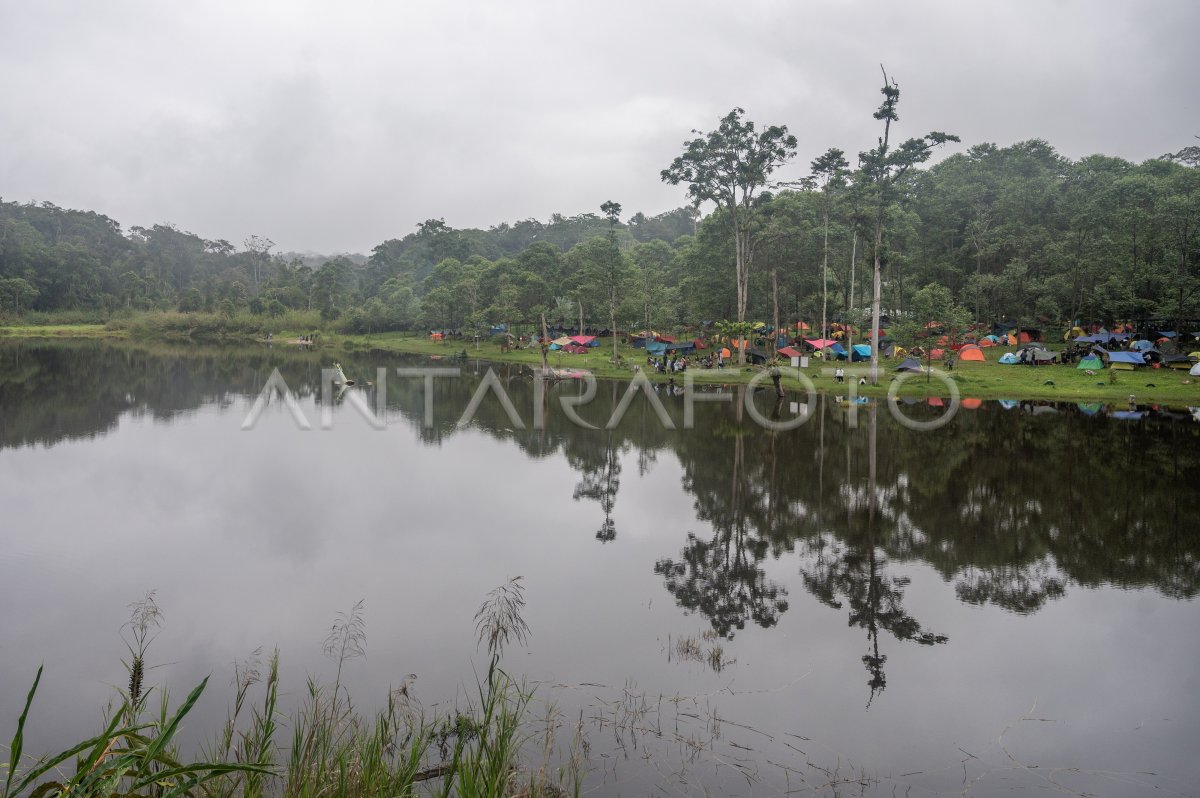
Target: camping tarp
{"type": "Point", "coordinates": [837, 349]}
{"type": "Point", "coordinates": [1090, 362]}
{"type": "Point", "coordinates": [787, 351]}
{"type": "Point", "coordinates": [819, 343]}
{"type": "Point", "coordinates": [1132, 358]}
{"type": "Point", "coordinates": [585, 340]}
{"type": "Point", "coordinates": [861, 352]}
{"type": "Point", "coordinates": [1041, 356]}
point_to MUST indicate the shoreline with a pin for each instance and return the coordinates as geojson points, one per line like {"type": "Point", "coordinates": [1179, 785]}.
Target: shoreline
{"type": "Point", "coordinates": [986, 380]}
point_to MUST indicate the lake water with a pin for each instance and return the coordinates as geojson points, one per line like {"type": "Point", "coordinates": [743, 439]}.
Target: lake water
{"type": "Point", "coordinates": [1003, 604]}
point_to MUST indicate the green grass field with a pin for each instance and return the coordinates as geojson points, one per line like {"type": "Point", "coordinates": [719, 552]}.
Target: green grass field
{"type": "Point", "coordinates": [987, 380]}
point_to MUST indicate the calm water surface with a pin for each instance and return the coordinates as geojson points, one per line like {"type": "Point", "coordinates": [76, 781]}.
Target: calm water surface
{"type": "Point", "coordinates": [1004, 604]}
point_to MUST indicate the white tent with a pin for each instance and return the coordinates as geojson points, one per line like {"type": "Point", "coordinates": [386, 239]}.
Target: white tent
{"type": "Point", "coordinates": [1195, 371]}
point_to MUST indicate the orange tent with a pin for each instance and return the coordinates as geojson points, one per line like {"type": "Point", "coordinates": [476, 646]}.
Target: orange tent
{"type": "Point", "coordinates": [986, 342]}
{"type": "Point", "coordinates": [971, 352]}
{"type": "Point", "coordinates": [725, 353]}
{"type": "Point", "coordinates": [972, 404]}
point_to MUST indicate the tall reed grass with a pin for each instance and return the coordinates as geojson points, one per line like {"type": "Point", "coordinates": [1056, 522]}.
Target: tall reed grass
{"type": "Point", "coordinates": [324, 748]}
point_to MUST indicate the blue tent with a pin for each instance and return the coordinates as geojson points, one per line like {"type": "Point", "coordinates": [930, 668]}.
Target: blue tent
{"type": "Point", "coordinates": [1009, 404]}
{"type": "Point", "coordinates": [838, 350]}
{"type": "Point", "coordinates": [861, 352]}
{"type": "Point", "coordinates": [1142, 345]}
{"type": "Point", "coordinates": [656, 347]}
{"type": "Point", "coordinates": [1008, 359]}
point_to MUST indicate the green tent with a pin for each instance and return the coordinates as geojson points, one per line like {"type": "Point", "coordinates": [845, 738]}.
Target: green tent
{"type": "Point", "coordinates": [1090, 362]}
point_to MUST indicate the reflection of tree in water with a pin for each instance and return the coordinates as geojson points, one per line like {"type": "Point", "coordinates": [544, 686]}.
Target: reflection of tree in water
{"type": "Point", "coordinates": [857, 576]}
{"type": "Point", "coordinates": [721, 578]}
{"type": "Point", "coordinates": [853, 568]}
{"type": "Point", "coordinates": [600, 481]}
{"type": "Point", "coordinates": [1009, 509]}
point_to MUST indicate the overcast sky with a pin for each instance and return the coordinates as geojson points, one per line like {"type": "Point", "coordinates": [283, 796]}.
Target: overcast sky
{"type": "Point", "coordinates": [334, 126]}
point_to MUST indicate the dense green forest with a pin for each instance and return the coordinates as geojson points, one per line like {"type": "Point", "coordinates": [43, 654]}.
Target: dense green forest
{"type": "Point", "coordinates": [1018, 233]}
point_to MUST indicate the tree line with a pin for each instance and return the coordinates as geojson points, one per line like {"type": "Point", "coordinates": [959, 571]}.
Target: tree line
{"type": "Point", "coordinates": [1019, 233]}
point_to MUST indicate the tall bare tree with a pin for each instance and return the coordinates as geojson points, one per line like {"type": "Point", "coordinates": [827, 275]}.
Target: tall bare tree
{"type": "Point", "coordinates": [728, 166]}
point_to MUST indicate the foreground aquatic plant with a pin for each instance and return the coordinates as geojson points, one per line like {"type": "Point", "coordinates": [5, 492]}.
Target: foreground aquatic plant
{"type": "Point", "coordinates": [123, 759]}
{"type": "Point", "coordinates": [332, 750]}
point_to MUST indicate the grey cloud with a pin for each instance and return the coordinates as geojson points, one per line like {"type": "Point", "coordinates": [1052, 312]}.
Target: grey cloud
{"type": "Point", "coordinates": [334, 128]}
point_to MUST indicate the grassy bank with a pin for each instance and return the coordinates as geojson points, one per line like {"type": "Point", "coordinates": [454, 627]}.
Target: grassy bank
{"type": "Point", "coordinates": [60, 331]}
{"type": "Point", "coordinates": [167, 326]}
{"type": "Point", "coordinates": [987, 380]}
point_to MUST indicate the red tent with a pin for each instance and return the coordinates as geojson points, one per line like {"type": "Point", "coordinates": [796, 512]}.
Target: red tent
{"type": "Point", "coordinates": [787, 351]}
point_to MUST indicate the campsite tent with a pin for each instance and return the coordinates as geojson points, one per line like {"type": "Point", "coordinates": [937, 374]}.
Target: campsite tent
{"type": "Point", "coordinates": [1125, 361]}
{"type": "Point", "coordinates": [838, 350]}
{"type": "Point", "coordinates": [1090, 362]}
{"type": "Point", "coordinates": [1195, 372]}
{"type": "Point", "coordinates": [971, 352]}
{"type": "Point", "coordinates": [910, 364]}
{"type": "Point", "coordinates": [1008, 359]}
{"type": "Point", "coordinates": [1177, 362]}
{"type": "Point", "coordinates": [1142, 345]}
{"type": "Point", "coordinates": [585, 340]}
{"type": "Point", "coordinates": [861, 352]}
{"type": "Point", "coordinates": [575, 349]}
{"type": "Point", "coordinates": [819, 343]}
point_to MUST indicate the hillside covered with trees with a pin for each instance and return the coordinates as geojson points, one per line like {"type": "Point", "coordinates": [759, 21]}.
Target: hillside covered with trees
{"type": "Point", "coordinates": [1018, 233]}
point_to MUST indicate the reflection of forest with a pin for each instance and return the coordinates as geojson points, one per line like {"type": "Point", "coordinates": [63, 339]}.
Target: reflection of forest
{"type": "Point", "coordinates": [1010, 507]}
